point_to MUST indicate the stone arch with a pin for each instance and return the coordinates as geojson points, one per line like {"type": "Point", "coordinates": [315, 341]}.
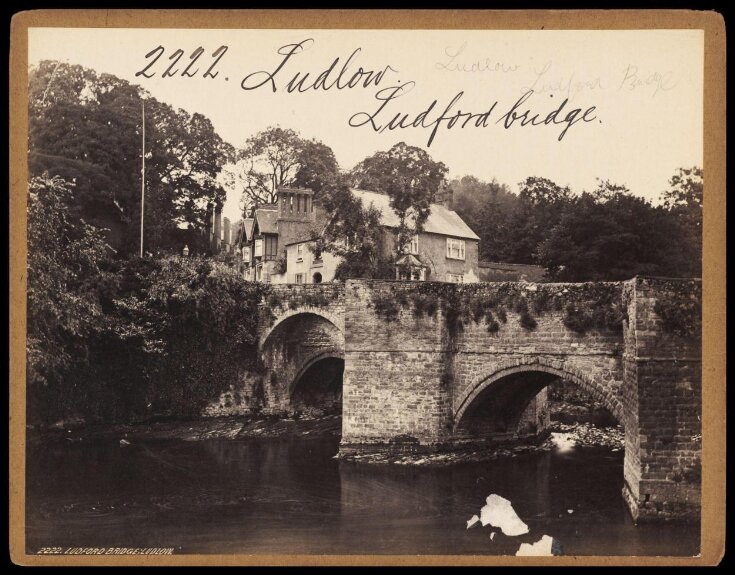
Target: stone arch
{"type": "Point", "coordinates": [296, 341]}
{"type": "Point", "coordinates": [578, 377]}
{"type": "Point", "coordinates": [317, 357]}
{"type": "Point", "coordinates": [335, 320]}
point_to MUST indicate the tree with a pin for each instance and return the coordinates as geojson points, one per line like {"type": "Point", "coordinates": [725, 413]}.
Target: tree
{"type": "Point", "coordinates": [353, 233]}
{"type": "Point", "coordinates": [541, 204]}
{"type": "Point", "coordinates": [317, 166]}
{"type": "Point", "coordinates": [488, 209]}
{"type": "Point", "coordinates": [278, 157]}
{"type": "Point", "coordinates": [411, 179]}
{"type": "Point", "coordinates": [86, 128]}
{"type": "Point", "coordinates": [65, 259]}
{"type": "Point", "coordinates": [610, 234]}
{"type": "Point", "coordinates": [683, 200]}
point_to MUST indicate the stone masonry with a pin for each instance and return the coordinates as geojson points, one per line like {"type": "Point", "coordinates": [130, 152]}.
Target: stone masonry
{"type": "Point", "coordinates": [412, 377]}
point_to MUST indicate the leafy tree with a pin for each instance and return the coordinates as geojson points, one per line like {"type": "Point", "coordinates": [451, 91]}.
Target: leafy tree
{"type": "Point", "coordinates": [318, 166]}
{"type": "Point", "coordinates": [353, 233]}
{"type": "Point", "coordinates": [410, 178]}
{"type": "Point", "coordinates": [684, 200]}
{"type": "Point", "coordinates": [65, 257]}
{"type": "Point", "coordinates": [610, 234]}
{"type": "Point", "coordinates": [541, 204]}
{"type": "Point", "coordinates": [488, 209]}
{"type": "Point", "coordinates": [86, 127]}
{"type": "Point", "coordinates": [278, 157]}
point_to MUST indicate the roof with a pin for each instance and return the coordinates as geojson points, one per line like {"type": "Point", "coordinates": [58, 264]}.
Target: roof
{"type": "Point", "coordinates": [313, 229]}
{"type": "Point", "coordinates": [410, 260]}
{"type": "Point", "coordinates": [441, 219]}
{"type": "Point", "coordinates": [267, 219]}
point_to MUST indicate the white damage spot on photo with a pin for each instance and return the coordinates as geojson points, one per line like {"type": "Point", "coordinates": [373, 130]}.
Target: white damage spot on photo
{"type": "Point", "coordinates": [473, 522]}
{"type": "Point", "coordinates": [547, 546]}
{"type": "Point", "coordinates": [500, 513]}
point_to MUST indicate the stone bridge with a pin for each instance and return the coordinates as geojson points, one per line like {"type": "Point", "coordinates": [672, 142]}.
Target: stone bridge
{"type": "Point", "coordinates": [441, 364]}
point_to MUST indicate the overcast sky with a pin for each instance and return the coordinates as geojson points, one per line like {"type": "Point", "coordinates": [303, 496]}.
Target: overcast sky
{"type": "Point", "coordinates": [645, 86]}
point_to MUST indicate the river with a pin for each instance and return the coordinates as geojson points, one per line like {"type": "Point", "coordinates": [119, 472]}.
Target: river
{"type": "Point", "coordinates": [290, 496]}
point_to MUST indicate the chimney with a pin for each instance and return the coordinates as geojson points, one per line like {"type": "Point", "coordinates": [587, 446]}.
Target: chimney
{"type": "Point", "coordinates": [226, 233]}
{"type": "Point", "coordinates": [217, 228]}
{"type": "Point", "coordinates": [445, 196]}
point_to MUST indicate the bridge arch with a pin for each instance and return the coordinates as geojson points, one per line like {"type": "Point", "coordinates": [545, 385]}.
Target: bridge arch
{"type": "Point", "coordinates": [303, 353]}
{"type": "Point", "coordinates": [491, 380]}
{"type": "Point", "coordinates": [336, 319]}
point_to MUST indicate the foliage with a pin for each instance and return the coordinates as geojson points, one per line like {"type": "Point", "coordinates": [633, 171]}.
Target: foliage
{"type": "Point", "coordinates": [86, 128]}
{"type": "Point", "coordinates": [65, 256]}
{"type": "Point", "coordinates": [587, 306]}
{"type": "Point", "coordinates": [410, 178]}
{"type": "Point", "coordinates": [680, 308]}
{"type": "Point", "coordinates": [488, 208]}
{"type": "Point", "coordinates": [353, 233]}
{"type": "Point", "coordinates": [176, 332]}
{"type": "Point", "coordinates": [612, 235]}
{"type": "Point", "coordinates": [277, 157]}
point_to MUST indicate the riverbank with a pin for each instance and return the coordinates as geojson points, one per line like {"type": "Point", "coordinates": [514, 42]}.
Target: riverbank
{"type": "Point", "coordinates": [557, 436]}
{"type": "Point", "coordinates": [239, 427]}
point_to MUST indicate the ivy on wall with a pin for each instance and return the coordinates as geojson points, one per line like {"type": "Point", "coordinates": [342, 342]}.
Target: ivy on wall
{"type": "Point", "coordinates": [679, 305]}
{"type": "Point", "coordinates": [586, 306]}
{"type": "Point", "coordinates": [298, 297]}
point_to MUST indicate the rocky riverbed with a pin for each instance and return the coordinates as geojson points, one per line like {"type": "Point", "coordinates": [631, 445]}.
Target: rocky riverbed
{"type": "Point", "coordinates": [559, 435]}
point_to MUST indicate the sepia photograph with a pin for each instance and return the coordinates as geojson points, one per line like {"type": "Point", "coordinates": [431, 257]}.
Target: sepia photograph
{"type": "Point", "coordinates": [344, 290]}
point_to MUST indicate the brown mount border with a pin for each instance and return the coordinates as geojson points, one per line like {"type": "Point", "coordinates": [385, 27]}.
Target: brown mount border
{"type": "Point", "coordinates": [714, 302]}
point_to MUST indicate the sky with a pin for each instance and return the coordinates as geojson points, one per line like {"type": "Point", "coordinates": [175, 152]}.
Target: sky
{"type": "Point", "coordinates": [637, 94]}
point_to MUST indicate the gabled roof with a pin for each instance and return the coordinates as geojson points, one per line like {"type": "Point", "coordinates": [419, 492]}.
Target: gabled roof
{"type": "Point", "coordinates": [411, 261]}
{"type": "Point", "coordinates": [441, 219]}
{"type": "Point", "coordinates": [267, 219]}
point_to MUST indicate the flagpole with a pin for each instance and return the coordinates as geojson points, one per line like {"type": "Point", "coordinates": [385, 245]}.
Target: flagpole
{"type": "Point", "coordinates": [142, 184]}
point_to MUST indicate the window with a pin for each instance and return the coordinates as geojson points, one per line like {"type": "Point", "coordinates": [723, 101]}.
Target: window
{"type": "Point", "coordinates": [246, 253]}
{"type": "Point", "coordinates": [259, 248]}
{"type": "Point", "coordinates": [455, 278]}
{"type": "Point", "coordinates": [299, 278]}
{"type": "Point", "coordinates": [410, 273]}
{"type": "Point", "coordinates": [412, 247]}
{"type": "Point", "coordinates": [455, 249]}
{"type": "Point", "coordinates": [299, 252]}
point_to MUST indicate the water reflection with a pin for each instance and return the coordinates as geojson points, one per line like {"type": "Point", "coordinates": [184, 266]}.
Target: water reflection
{"type": "Point", "coordinates": [291, 496]}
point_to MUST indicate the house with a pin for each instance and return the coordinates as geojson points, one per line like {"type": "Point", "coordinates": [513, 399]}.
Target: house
{"type": "Point", "coordinates": [293, 217]}
{"type": "Point", "coordinates": [446, 249]}
{"type": "Point", "coordinates": [281, 249]}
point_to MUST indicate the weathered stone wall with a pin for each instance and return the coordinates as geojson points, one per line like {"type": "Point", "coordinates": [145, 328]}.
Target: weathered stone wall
{"type": "Point", "coordinates": [663, 384]}
{"type": "Point", "coordinates": [429, 373]}
{"type": "Point", "coordinates": [394, 370]}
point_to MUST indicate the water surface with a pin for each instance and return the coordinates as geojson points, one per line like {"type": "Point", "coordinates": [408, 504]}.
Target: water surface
{"type": "Point", "coordinates": [290, 496]}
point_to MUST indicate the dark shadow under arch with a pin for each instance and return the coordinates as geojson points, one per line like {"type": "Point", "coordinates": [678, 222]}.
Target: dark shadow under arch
{"type": "Point", "coordinates": [496, 402]}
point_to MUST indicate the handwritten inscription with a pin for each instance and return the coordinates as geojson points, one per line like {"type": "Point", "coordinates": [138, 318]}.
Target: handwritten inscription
{"type": "Point", "coordinates": [340, 73]}
{"type": "Point", "coordinates": [569, 84]}
{"type": "Point", "coordinates": [660, 82]}
{"type": "Point", "coordinates": [452, 62]}
{"type": "Point", "coordinates": [173, 69]}
{"type": "Point", "coordinates": [326, 80]}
